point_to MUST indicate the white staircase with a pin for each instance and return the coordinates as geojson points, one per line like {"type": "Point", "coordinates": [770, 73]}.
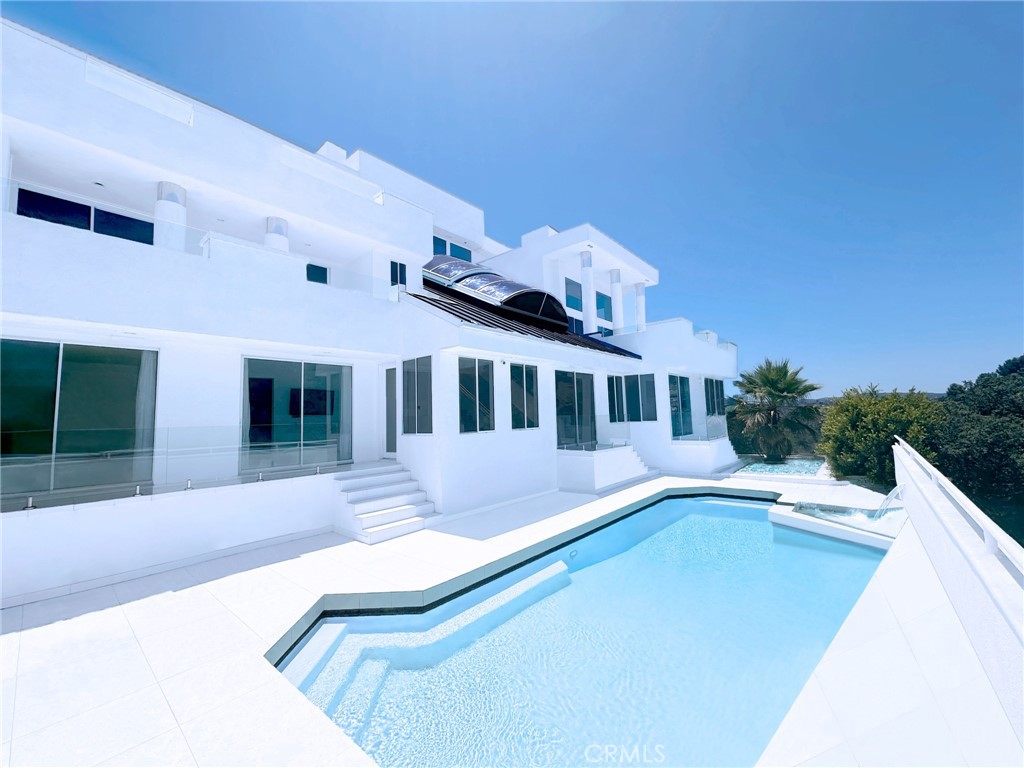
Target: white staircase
{"type": "Point", "coordinates": [381, 502]}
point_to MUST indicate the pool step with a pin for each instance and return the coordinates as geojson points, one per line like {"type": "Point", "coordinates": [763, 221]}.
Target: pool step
{"type": "Point", "coordinates": [357, 703]}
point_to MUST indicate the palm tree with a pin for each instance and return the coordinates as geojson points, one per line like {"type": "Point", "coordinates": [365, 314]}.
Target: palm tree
{"type": "Point", "coordinates": [771, 408]}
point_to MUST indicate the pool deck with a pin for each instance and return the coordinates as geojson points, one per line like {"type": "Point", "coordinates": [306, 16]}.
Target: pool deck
{"type": "Point", "coordinates": [172, 669]}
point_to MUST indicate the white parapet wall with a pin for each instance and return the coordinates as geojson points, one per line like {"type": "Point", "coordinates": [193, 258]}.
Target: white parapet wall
{"type": "Point", "coordinates": [979, 566]}
{"type": "Point", "coordinates": [53, 551]}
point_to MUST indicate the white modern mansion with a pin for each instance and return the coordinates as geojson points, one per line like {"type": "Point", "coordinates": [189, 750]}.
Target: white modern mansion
{"type": "Point", "coordinates": [192, 305]}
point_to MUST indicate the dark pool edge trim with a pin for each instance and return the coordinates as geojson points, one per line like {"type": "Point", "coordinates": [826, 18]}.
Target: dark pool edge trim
{"type": "Point", "coordinates": [277, 657]}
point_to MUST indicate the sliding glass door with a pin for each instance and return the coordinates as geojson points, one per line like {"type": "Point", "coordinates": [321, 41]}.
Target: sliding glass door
{"type": "Point", "coordinates": [296, 414]}
{"type": "Point", "coordinates": [575, 411]}
{"type": "Point", "coordinates": [75, 416]}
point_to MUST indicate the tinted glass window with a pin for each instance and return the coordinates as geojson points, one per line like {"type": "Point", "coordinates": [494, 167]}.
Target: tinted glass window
{"type": "Point", "coordinates": [604, 307]}
{"type": "Point", "coordinates": [573, 295]}
{"type": "Point", "coordinates": [36, 205]}
{"type": "Point", "coordinates": [633, 398]}
{"type": "Point", "coordinates": [649, 404]}
{"type": "Point", "coordinates": [125, 227]}
{"type": "Point", "coordinates": [316, 273]}
{"type": "Point", "coordinates": [458, 252]}
{"type": "Point", "coordinates": [440, 247]}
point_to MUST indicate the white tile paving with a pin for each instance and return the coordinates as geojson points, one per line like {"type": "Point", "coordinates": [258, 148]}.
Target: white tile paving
{"type": "Point", "coordinates": [168, 669]}
{"type": "Point", "coordinates": [902, 679]}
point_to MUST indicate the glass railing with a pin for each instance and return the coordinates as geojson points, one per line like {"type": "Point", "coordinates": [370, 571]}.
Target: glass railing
{"type": "Point", "coordinates": [143, 228]}
{"type": "Point", "coordinates": [93, 465]}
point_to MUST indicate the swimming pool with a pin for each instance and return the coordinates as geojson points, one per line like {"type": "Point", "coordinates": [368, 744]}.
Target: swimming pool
{"type": "Point", "coordinates": [679, 636]}
{"type": "Point", "coordinates": [791, 466]}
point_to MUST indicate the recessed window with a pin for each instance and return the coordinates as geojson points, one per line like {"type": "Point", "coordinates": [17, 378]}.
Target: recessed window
{"type": "Point", "coordinates": [714, 397]}
{"type": "Point", "coordinates": [440, 246]}
{"type": "Point", "coordinates": [573, 295]}
{"type": "Point", "coordinates": [398, 273]}
{"type": "Point", "coordinates": [576, 326]}
{"type": "Point", "coordinates": [524, 396]}
{"type": "Point", "coordinates": [125, 227]}
{"type": "Point", "coordinates": [640, 398]}
{"type": "Point", "coordinates": [316, 274]}
{"type": "Point", "coordinates": [458, 252]}
{"type": "Point", "coordinates": [476, 395]}
{"type": "Point", "coordinates": [616, 400]}
{"type": "Point", "coordinates": [417, 390]}
{"type": "Point", "coordinates": [679, 404]}
{"type": "Point", "coordinates": [604, 331]}
{"type": "Point", "coordinates": [604, 307]}
{"type": "Point", "coordinates": [36, 205]}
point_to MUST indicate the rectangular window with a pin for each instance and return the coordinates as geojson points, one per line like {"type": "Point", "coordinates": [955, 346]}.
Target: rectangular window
{"type": "Point", "coordinates": [316, 274]}
{"type": "Point", "coordinates": [458, 252]}
{"type": "Point", "coordinates": [714, 397]}
{"type": "Point", "coordinates": [524, 396]}
{"type": "Point", "coordinates": [417, 410]}
{"type": "Point", "coordinates": [125, 227]}
{"type": "Point", "coordinates": [36, 205]}
{"type": "Point", "coordinates": [604, 307]}
{"type": "Point", "coordinates": [105, 403]}
{"type": "Point", "coordinates": [574, 410]}
{"type": "Point", "coordinates": [640, 398]}
{"type": "Point", "coordinates": [398, 273]}
{"type": "Point", "coordinates": [575, 326]}
{"type": "Point", "coordinates": [616, 400]}
{"type": "Point", "coordinates": [573, 295]}
{"type": "Point", "coordinates": [605, 331]}
{"type": "Point", "coordinates": [476, 395]}
{"type": "Point", "coordinates": [440, 246]}
{"type": "Point", "coordinates": [296, 413]}
{"type": "Point", "coordinates": [679, 404]}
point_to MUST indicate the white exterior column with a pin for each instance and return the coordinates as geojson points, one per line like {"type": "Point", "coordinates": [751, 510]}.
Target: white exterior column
{"type": "Point", "coordinates": [169, 216]}
{"type": "Point", "coordinates": [277, 234]}
{"type": "Point", "coordinates": [618, 321]}
{"type": "Point", "coordinates": [589, 297]}
{"type": "Point", "coordinates": [641, 306]}
{"type": "Point", "coordinates": [8, 165]}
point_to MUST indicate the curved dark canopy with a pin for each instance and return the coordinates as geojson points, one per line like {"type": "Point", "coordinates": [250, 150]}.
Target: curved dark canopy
{"type": "Point", "coordinates": [478, 283]}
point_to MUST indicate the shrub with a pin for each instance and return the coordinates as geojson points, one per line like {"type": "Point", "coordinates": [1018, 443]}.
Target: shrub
{"type": "Point", "coordinates": [858, 429]}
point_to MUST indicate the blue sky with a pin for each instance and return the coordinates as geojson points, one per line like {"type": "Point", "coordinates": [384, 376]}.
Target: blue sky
{"type": "Point", "coordinates": [840, 184]}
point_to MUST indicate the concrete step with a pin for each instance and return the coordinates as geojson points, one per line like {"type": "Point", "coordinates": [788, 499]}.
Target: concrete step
{"type": "Point", "coordinates": [387, 502]}
{"type": "Point", "coordinates": [387, 531]}
{"type": "Point", "coordinates": [393, 514]}
{"type": "Point", "coordinates": [382, 491]}
{"type": "Point", "coordinates": [373, 481]}
{"type": "Point", "coordinates": [358, 470]}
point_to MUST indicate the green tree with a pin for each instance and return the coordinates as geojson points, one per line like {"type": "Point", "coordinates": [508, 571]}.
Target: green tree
{"type": "Point", "coordinates": [982, 444]}
{"type": "Point", "coordinates": [857, 430]}
{"type": "Point", "coordinates": [771, 407]}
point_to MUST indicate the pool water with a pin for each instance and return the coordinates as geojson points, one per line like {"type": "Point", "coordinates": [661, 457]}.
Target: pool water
{"type": "Point", "coordinates": [789, 467]}
{"type": "Point", "coordinates": [678, 636]}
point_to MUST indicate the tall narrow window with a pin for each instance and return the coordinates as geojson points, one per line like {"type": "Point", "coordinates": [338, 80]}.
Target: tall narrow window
{"type": "Point", "coordinates": [573, 295]}
{"type": "Point", "coordinates": [679, 404]}
{"type": "Point", "coordinates": [574, 410]}
{"type": "Point", "coordinates": [714, 397]}
{"type": "Point", "coordinates": [604, 307]}
{"type": "Point", "coordinates": [640, 398]}
{"type": "Point", "coordinates": [524, 396]}
{"type": "Point", "coordinates": [417, 410]}
{"type": "Point", "coordinates": [398, 273]}
{"type": "Point", "coordinates": [616, 400]}
{"type": "Point", "coordinates": [476, 395]}
{"type": "Point", "coordinates": [440, 246]}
